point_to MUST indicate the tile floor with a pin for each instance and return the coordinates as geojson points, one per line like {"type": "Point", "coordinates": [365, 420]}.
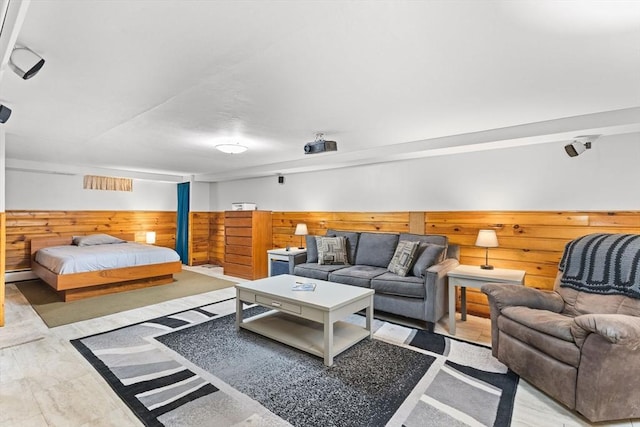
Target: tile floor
{"type": "Point", "coordinates": [45, 382]}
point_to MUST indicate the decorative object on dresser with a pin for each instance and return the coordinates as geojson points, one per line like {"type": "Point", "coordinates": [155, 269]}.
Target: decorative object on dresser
{"type": "Point", "coordinates": [247, 237]}
{"type": "Point", "coordinates": [84, 266]}
{"type": "Point", "coordinates": [487, 239]}
{"type": "Point", "coordinates": [579, 343]}
{"type": "Point", "coordinates": [301, 230]}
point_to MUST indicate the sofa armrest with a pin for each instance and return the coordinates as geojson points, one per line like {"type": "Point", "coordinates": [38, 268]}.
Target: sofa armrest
{"type": "Point", "coordinates": [615, 328]}
{"type": "Point", "coordinates": [435, 282]}
{"type": "Point", "coordinates": [502, 295]}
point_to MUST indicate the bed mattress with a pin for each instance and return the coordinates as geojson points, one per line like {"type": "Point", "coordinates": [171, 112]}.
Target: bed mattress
{"type": "Point", "coordinates": [79, 259]}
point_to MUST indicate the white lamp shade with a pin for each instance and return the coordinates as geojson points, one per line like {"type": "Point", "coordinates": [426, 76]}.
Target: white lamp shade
{"type": "Point", "coordinates": [151, 237]}
{"type": "Point", "coordinates": [487, 239]}
{"type": "Point", "coordinates": [301, 230]}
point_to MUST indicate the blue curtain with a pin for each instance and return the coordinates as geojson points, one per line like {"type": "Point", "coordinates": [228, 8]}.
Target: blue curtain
{"type": "Point", "coordinates": [182, 227]}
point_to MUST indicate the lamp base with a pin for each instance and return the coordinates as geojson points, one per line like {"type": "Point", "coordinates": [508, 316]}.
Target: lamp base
{"type": "Point", "coordinates": [486, 267]}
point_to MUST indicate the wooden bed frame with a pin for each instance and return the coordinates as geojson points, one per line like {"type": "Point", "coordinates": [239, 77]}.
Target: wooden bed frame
{"type": "Point", "coordinates": [76, 286]}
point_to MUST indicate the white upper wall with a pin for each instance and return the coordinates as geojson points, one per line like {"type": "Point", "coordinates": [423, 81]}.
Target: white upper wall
{"type": "Point", "coordinates": [46, 191]}
{"type": "Point", "coordinates": [534, 177]}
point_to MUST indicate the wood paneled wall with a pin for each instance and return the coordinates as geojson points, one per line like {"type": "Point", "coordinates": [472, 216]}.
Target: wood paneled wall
{"type": "Point", "coordinates": [3, 246]}
{"type": "Point", "coordinates": [21, 226]}
{"type": "Point", "coordinates": [206, 245]}
{"type": "Point", "coordinates": [284, 223]}
{"type": "Point", "coordinates": [531, 241]}
{"type": "Point", "coordinates": [216, 238]}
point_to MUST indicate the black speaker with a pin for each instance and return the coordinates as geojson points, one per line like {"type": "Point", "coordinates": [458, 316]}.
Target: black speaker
{"type": "Point", "coordinates": [5, 113]}
{"type": "Point", "coordinates": [281, 180]}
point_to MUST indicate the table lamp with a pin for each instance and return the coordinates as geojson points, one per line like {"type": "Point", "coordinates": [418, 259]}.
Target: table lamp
{"type": "Point", "coordinates": [301, 230]}
{"type": "Point", "coordinates": [487, 239]}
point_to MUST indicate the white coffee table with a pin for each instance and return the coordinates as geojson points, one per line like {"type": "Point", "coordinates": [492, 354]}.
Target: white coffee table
{"type": "Point", "coordinates": [307, 320]}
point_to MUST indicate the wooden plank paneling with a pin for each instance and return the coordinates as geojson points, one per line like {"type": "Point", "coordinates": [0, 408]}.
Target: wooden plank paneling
{"type": "Point", "coordinates": [199, 238]}
{"type": "Point", "coordinates": [531, 241]}
{"type": "Point", "coordinates": [21, 226]}
{"type": "Point", "coordinates": [2, 264]}
{"type": "Point", "coordinates": [216, 238]}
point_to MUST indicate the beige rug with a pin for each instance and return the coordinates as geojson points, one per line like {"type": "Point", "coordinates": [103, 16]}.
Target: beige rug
{"type": "Point", "coordinates": [54, 312]}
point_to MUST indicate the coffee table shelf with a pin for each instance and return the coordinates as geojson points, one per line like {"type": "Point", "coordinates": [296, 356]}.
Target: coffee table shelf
{"type": "Point", "coordinates": [304, 334]}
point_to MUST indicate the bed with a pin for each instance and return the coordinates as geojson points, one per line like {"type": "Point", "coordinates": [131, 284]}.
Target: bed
{"type": "Point", "coordinates": [135, 266]}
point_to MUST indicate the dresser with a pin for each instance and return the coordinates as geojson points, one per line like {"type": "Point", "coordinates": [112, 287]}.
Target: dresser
{"type": "Point", "coordinates": [247, 237]}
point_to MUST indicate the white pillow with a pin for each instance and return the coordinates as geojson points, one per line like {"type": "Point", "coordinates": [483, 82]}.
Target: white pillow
{"type": "Point", "coordinates": [96, 239]}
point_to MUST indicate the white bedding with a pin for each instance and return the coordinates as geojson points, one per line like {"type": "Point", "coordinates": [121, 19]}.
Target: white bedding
{"type": "Point", "coordinates": [75, 259]}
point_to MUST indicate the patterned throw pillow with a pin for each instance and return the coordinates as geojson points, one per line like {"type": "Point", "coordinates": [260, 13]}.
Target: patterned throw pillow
{"type": "Point", "coordinates": [332, 250]}
{"type": "Point", "coordinates": [403, 257]}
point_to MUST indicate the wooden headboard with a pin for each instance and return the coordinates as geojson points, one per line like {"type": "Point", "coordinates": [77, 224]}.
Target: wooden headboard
{"type": "Point", "coordinates": [45, 242]}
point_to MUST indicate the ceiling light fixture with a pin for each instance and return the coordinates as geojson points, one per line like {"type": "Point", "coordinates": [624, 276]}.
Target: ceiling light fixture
{"type": "Point", "coordinates": [231, 148]}
{"type": "Point", "coordinates": [25, 62]}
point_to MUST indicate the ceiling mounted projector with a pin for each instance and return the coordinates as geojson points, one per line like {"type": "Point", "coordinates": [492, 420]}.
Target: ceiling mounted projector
{"type": "Point", "coordinates": [320, 145]}
{"type": "Point", "coordinates": [579, 145]}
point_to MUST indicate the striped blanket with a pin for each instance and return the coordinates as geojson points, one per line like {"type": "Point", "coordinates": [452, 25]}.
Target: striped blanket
{"type": "Point", "coordinates": [603, 264]}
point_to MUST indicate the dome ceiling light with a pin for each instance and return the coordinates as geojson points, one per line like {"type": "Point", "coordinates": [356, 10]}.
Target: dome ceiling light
{"type": "Point", "coordinates": [231, 148]}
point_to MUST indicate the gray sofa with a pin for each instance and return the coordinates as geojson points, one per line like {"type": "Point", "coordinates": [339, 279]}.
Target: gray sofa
{"type": "Point", "coordinates": [421, 294]}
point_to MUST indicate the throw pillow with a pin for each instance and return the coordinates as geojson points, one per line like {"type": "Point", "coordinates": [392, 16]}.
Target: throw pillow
{"type": "Point", "coordinates": [403, 257]}
{"type": "Point", "coordinates": [332, 250]}
{"type": "Point", "coordinates": [96, 239]}
{"type": "Point", "coordinates": [312, 248]}
{"type": "Point", "coordinates": [427, 255]}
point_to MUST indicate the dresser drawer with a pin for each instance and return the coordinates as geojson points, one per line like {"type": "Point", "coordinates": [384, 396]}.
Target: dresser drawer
{"type": "Point", "coordinates": [278, 304]}
{"type": "Point", "coordinates": [238, 250]}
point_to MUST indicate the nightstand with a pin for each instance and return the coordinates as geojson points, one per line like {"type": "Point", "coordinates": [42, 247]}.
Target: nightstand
{"type": "Point", "coordinates": [282, 261]}
{"type": "Point", "coordinates": [472, 276]}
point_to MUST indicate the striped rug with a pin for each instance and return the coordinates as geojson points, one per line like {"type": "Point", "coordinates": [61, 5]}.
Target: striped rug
{"type": "Point", "coordinates": [193, 368]}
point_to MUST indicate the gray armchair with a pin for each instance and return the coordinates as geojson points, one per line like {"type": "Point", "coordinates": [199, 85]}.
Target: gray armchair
{"type": "Point", "coordinates": [581, 342]}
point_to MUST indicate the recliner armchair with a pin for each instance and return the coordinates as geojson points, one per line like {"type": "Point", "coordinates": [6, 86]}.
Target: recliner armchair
{"type": "Point", "coordinates": [581, 342]}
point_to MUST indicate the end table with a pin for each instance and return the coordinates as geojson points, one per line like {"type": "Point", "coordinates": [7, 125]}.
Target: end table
{"type": "Point", "coordinates": [472, 276]}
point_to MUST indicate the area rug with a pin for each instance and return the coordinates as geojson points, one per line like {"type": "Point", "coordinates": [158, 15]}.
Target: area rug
{"type": "Point", "coordinates": [55, 312]}
{"type": "Point", "coordinates": [193, 368]}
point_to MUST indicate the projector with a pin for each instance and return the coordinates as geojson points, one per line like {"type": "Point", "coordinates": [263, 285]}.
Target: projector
{"type": "Point", "coordinates": [320, 146]}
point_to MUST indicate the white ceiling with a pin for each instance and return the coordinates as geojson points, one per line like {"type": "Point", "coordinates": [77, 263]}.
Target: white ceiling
{"type": "Point", "coordinates": [152, 86]}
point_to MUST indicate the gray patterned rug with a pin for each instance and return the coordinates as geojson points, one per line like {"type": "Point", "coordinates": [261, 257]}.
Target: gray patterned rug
{"type": "Point", "coordinates": [193, 368]}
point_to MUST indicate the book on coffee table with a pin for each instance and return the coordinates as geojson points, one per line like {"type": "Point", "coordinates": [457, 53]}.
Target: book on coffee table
{"type": "Point", "coordinates": [302, 286]}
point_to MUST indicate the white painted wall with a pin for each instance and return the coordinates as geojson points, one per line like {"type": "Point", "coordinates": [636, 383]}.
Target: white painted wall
{"type": "Point", "coordinates": [199, 193]}
{"type": "Point", "coordinates": [46, 191]}
{"type": "Point", "coordinates": [534, 177]}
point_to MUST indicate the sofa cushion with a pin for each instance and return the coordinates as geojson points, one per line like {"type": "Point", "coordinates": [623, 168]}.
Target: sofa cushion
{"type": "Point", "coordinates": [312, 248]}
{"type": "Point", "coordinates": [352, 242]}
{"type": "Point", "coordinates": [332, 250]}
{"type": "Point", "coordinates": [557, 348]}
{"type": "Point", "coordinates": [547, 322]}
{"type": "Point", "coordinates": [403, 257]}
{"type": "Point", "coordinates": [434, 239]}
{"type": "Point", "coordinates": [426, 255]}
{"type": "Point", "coordinates": [356, 275]}
{"type": "Point", "coordinates": [314, 270]}
{"type": "Point", "coordinates": [392, 284]}
{"type": "Point", "coordinates": [376, 249]}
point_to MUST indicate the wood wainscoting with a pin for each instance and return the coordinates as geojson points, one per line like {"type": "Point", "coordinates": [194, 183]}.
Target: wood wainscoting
{"type": "Point", "coordinates": [21, 226]}
{"type": "Point", "coordinates": [528, 240]}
